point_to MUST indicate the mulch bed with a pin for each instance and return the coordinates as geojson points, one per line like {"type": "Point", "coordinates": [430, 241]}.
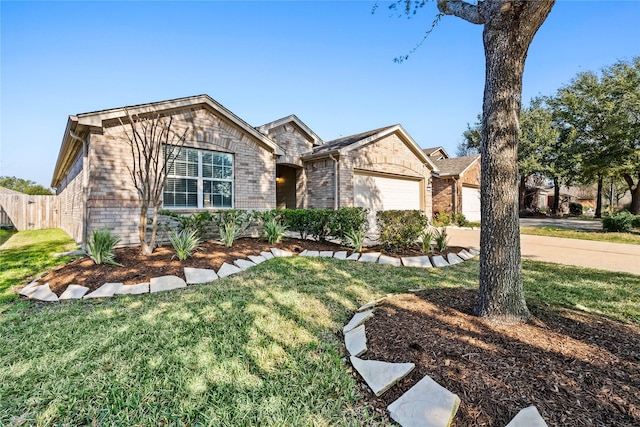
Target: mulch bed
{"type": "Point", "coordinates": [577, 369]}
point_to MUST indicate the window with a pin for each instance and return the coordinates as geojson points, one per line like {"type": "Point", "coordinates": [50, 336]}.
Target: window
{"type": "Point", "coordinates": [199, 179]}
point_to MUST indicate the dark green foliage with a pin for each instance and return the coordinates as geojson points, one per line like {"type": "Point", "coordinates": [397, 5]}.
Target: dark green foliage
{"type": "Point", "coordinates": [199, 223]}
{"type": "Point", "coordinates": [460, 219]}
{"type": "Point", "coordinates": [184, 242]}
{"type": "Point", "coordinates": [232, 224]}
{"type": "Point", "coordinates": [347, 223]}
{"type": "Point", "coordinates": [618, 223]}
{"type": "Point", "coordinates": [24, 186]}
{"type": "Point", "coordinates": [575, 208]}
{"type": "Point", "coordinates": [273, 228]}
{"type": "Point", "coordinates": [400, 230]}
{"type": "Point", "coordinates": [101, 245]}
{"type": "Point", "coordinates": [297, 220]}
{"type": "Point", "coordinates": [635, 222]}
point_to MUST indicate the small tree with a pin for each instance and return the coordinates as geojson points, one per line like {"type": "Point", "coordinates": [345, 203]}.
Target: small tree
{"type": "Point", "coordinates": [154, 146]}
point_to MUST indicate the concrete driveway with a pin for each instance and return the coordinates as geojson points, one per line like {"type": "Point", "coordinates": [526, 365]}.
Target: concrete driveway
{"type": "Point", "coordinates": [619, 257]}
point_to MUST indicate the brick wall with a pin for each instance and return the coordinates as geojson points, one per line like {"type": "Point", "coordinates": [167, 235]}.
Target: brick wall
{"type": "Point", "coordinates": [294, 143]}
{"type": "Point", "coordinates": [443, 190]}
{"type": "Point", "coordinates": [320, 184]}
{"type": "Point", "coordinates": [69, 193]}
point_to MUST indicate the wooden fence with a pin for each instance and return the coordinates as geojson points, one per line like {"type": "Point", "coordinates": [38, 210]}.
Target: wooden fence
{"type": "Point", "coordinates": [27, 212]}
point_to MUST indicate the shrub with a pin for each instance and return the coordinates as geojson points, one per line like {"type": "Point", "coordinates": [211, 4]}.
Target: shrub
{"type": "Point", "coordinates": [197, 222]}
{"type": "Point", "coordinates": [346, 223]}
{"type": "Point", "coordinates": [101, 246]}
{"type": "Point", "coordinates": [184, 242]}
{"type": "Point", "coordinates": [443, 219]}
{"type": "Point", "coordinates": [635, 222]}
{"type": "Point", "coordinates": [460, 219]}
{"type": "Point", "coordinates": [272, 227]}
{"type": "Point", "coordinates": [355, 238]}
{"type": "Point", "coordinates": [426, 239]}
{"type": "Point", "coordinates": [231, 224]}
{"type": "Point", "coordinates": [297, 220]}
{"type": "Point", "coordinates": [620, 222]}
{"type": "Point", "coordinates": [575, 208]}
{"type": "Point", "coordinates": [441, 239]}
{"type": "Point", "coordinates": [400, 229]}
{"type": "Point", "coordinates": [318, 222]}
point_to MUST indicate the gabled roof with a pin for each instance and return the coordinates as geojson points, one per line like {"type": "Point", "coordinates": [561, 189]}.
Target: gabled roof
{"type": "Point", "coordinates": [456, 166]}
{"type": "Point", "coordinates": [433, 152]}
{"type": "Point", "coordinates": [311, 135]}
{"type": "Point", "coordinates": [80, 123]}
{"type": "Point", "coordinates": [349, 143]}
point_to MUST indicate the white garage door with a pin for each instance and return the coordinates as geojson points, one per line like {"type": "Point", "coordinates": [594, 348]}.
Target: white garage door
{"type": "Point", "coordinates": [471, 203]}
{"type": "Point", "coordinates": [383, 193]}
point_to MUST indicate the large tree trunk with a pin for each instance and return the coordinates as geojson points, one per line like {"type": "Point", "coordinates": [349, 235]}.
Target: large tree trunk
{"type": "Point", "coordinates": [598, 213]}
{"type": "Point", "coordinates": [555, 209]}
{"type": "Point", "coordinates": [635, 193]}
{"type": "Point", "coordinates": [507, 35]}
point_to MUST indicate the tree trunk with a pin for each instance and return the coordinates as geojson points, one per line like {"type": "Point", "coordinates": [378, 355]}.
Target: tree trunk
{"type": "Point", "coordinates": [635, 193]}
{"type": "Point", "coordinates": [501, 296]}
{"type": "Point", "coordinates": [145, 249]}
{"type": "Point", "coordinates": [555, 209]}
{"type": "Point", "coordinates": [522, 193]}
{"type": "Point", "coordinates": [598, 213]}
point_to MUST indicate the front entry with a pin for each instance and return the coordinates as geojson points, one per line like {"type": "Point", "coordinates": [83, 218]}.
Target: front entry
{"type": "Point", "coordinates": [285, 187]}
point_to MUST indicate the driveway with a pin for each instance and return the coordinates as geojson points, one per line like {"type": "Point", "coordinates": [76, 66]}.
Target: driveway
{"type": "Point", "coordinates": [570, 223]}
{"type": "Point", "coordinates": [619, 257]}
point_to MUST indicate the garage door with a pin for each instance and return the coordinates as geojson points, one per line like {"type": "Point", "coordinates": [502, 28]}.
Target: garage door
{"type": "Point", "coordinates": [384, 193]}
{"type": "Point", "coordinates": [471, 203]}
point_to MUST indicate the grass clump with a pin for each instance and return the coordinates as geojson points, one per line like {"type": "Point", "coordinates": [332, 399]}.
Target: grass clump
{"type": "Point", "coordinates": [599, 236]}
{"type": "Point", "coordinates": [184, 242]}
{"type": "Point", "coordinates": [101, 246]}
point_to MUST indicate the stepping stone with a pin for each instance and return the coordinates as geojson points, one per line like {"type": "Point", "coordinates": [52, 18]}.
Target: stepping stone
{"type": "Point", "coordinates": [438, 261]}
{"type": "Point", "coordinates": [381, 376]}
{"type": "Point", "coordinates": [244, 264]}
{"type": "Point", "coordinates": [340, 255]}
{"type": "Point", "coordinates": [138, 289]}
{"type": "Point", "coordinates": [228, 270]}
{"type": "Point", "coordinates": [417, 261]}
{"type": "Point", "coordinates": [385, 259]}
{"type": "Point", "coordinates": [367, 306]}
{"type": "Point", "coordinates": [356, 320]}
{"type": "Point", "coordinates": [473, 252]}
{"type": "Point", "coordinates": [166, 283]}
{"type": "Point", "coordinates": [528, 417]}
{"type": "Point", "coordinates": [43, 293]}
{"type": "Point", "coordinates": [454, 259]}
{"type": "Point", "coordinates": [369, 257]}
{"type": "Point", "coordinates": [74, 292]}
{"type": "Point", "coordinates": [356, 341]}
{"type": "Point", "coordinates": [465, 255]}
{"type": "Point", "coordinates": [303, 253]}
{"type": "Point", "coordinates": [426, 404]}
{"type": "Point", "coordinates": [194, 276]}
{"type": "Point", "coordinates": [313, 253]}
{"type": "Point", "coordinates": [28, 290]}
{"type": "Point", "coordinates": [257, 259]}
{"type": "Point", "coordinates": [105, 291]}
{"type": "Point", "coordinates": [266, 255]}
{"type": "Point", "coordinates": [354, 256]}
{"type": "Point", "coordinates": [278, 253]}
{"type": "Point", "coordinates": [326, 254]}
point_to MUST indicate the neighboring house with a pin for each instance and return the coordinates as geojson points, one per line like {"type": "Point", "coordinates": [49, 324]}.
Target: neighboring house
{"type": "Point", "coordinates": [456, 184]}
{"type": "Point", "coordinates": [227, 163]}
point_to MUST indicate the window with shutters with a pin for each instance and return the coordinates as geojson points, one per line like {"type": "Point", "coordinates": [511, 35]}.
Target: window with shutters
{"type": "Point", "coordinates": [199, 179]}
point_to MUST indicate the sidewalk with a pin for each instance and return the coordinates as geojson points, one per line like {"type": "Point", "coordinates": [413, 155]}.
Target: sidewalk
{"type": "Point", "coordinates": [619, 257]}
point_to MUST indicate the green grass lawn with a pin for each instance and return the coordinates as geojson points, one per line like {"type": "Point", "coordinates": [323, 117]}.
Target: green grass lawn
{"type": "Point", "coordinates": [600, 236]}
{"type": "Point", "coordinates": [28, 253]}
{"type": "Point", "coordinates": [259, 348]}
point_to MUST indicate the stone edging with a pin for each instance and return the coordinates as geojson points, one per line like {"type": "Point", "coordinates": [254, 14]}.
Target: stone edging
{"type": "Point", "coordinates": [427, 403]}
{"type": "Point", "coordinates": [42, 292]}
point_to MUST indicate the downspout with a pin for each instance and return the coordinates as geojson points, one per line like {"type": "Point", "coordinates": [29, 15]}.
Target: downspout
{"type": "Point", "coordinates": [85, 187]}
{"type": "Point", "coordinates": [335, 182]}
{"type": "Point", "coordinates": [455, 195]}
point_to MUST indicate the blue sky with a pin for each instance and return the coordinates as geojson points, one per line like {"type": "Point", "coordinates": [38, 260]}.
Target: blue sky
{"type": "Point", "coordinates": [328, 62]}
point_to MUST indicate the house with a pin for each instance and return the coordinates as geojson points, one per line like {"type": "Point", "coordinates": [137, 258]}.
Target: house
{"type": "Point", "coordinates": [226, 163]}
{"type": "Point", "coordinates": [456, 183]}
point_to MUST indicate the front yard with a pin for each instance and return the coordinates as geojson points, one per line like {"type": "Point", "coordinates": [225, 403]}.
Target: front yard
{"type": "Point", "coordinates": [259, 348]}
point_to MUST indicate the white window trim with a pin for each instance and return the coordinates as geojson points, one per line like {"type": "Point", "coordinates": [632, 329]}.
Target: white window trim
{"type": "Point", "coordinates": [200, 185]}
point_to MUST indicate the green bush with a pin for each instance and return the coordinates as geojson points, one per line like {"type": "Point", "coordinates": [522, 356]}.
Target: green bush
{"type": "Point", "coordinates": [426, 239]}
{"type": "Point", "coordinates": [575, 208]}
{"type": "Point", "coordinates": [184, 242]}
{"type": "Point", "coordinates": [441, 239]}
{"type": "Point", "coordinates": [297, 220]}
{"type": "Point", "coordinates": [273, 229]}
{"type": "Point", "coordinates": [635, 222]}
{"type": "Point", "coordinates": [441, 218]}
{"type": "Point", "coordinates": [197, 222]}
{"type": "Point", "coordinates": [101, 245]}
{"type": "Point", "coordinates": [346, 223]}
{"type": "Point", "coordinates": [620, 222]}
{"type": "Point", "coordinates": [231, 224]}
{"type": "Point", "coordinates": [460, 220]}
{"type": "Point", "coordinates": [400, 230]}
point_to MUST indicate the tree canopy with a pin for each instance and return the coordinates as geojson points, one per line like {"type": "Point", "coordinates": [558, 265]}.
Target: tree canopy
{"type": "Point", "coordinates": [24, 186]}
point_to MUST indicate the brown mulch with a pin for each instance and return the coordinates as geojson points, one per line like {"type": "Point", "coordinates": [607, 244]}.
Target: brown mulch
{"type": "Point", "coordinates": [139, 268]}
{"type": "Point", "coordinates": [577, 369]}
